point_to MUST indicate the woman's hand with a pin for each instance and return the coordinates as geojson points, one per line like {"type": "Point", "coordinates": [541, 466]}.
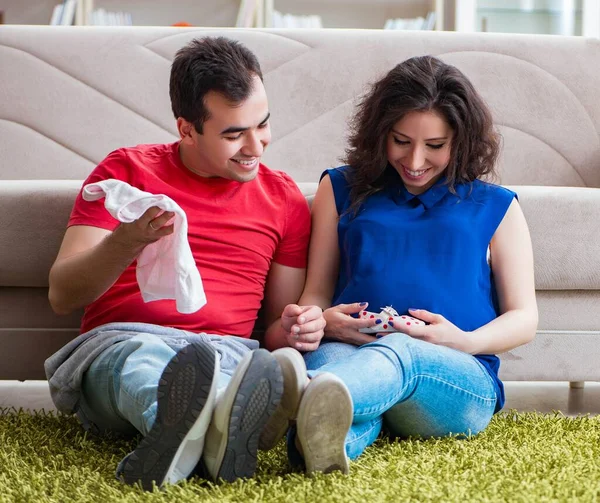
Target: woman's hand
{"type": "Point", "coordinates": [343, 327]}
{"type": "Point", "coordinates": [439, 331]}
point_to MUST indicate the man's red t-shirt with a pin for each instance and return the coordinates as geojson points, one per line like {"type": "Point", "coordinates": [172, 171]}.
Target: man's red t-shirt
{"type": "Point", "coordinates": [235, 231]}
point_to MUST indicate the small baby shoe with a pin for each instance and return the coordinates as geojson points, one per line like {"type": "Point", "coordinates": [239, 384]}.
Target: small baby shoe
{"type": "Point", "coordinates": [391, 321]}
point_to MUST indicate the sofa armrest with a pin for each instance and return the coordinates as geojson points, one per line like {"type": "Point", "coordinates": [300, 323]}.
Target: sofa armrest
{"type": "Point", "coordinates": [564, 223]}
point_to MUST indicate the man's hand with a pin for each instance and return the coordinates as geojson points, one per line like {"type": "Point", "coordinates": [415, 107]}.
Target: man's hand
{"type": "Point", "coordinates": [91, 259]}
{"type": "Point", "coordinates": [438, 331]}
{"type": "Point", "coordinates": [343, 327]}
{"type": "Point", "coordinates": [303, 326]}
{"type": "Point", "coordinates": [150, 227]}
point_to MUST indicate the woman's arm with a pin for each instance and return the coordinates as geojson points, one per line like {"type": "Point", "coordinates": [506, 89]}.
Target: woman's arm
{"type": "Point", "coordinates": [323, 269]}
{"type": "Point", "coordinates": [323, 251]}
{"type": "Point", "coordinates": [512, 266]}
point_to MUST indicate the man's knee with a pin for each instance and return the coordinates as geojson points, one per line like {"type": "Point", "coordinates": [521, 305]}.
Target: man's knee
{"type": "Point", "coordinates": [144, 350]}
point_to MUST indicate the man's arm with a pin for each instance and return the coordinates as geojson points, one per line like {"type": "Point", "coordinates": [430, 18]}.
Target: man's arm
{"type": "Point", "coordinates": [282, 291]}
{"type": "Point", "coordinates": [91, 259]}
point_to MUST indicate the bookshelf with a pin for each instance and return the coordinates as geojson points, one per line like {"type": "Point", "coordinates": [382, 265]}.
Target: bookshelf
{"type": "Point", "coordinates": [83, 12]}
{"type": "Point", "coordinates": [371, 14]}
{"type": "Point", "coordinates": [223, 13]}
{"type": "Point", "coordinates": [407, 14]}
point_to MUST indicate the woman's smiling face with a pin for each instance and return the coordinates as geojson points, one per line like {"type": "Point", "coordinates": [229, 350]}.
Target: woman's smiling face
{"type": "Point", "coordinates": [418, 147]}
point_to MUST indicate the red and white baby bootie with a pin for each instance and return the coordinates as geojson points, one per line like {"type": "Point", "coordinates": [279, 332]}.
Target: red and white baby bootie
{"type": "Point", "coordinates": [391, 321]}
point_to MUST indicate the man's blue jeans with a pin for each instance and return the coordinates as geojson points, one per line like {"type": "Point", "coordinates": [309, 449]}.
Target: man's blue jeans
{"type": "Point", "coordinates": [119, 390]}
{"type": "Point", "coordinates": [412, 387]}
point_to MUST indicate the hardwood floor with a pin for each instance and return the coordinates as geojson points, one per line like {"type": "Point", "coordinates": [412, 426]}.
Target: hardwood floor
{"type": "Point", "coordinates": [522, 396]}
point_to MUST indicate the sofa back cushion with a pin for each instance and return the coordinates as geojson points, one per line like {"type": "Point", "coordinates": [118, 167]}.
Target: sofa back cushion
{"type": "Point", "coordinates": [70, 96]}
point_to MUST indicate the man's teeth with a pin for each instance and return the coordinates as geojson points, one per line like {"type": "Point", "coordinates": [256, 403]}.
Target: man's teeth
{"type": "Point", "coordinates": [245, 163]}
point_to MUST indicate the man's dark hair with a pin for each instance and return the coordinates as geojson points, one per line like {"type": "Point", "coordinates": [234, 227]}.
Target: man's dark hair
{"type": "Point", "coordinates": [210, 64]}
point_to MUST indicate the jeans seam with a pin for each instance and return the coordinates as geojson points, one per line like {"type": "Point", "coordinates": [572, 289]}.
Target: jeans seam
{"type": "Point", "coordinates": [138, 403]}
{"type": "Point", "coordinates": [366, 433]}
{"type": "Point", "coordinates": [458, 387]}
{"type": "Point", "coordinates": [112, 375]}
{"type": "Point", "coordinates": [488, 375]}
{"type": "Point", "coordinates": [379, 410]}
{"type": "Point", "coordinates": [390, 403]}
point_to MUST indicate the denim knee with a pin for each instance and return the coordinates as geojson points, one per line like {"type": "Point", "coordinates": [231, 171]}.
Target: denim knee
{"type": "Point", "coordinates": [329, 351]}
{"type": "Point", "coordinates": [120, 385]}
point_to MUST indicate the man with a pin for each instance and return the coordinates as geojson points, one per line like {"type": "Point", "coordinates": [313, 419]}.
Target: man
{"type": "Point", "coordinates": [146, 367]}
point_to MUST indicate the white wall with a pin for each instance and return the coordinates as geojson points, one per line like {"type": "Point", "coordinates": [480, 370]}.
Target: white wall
{"type": "Point", "coordinates": [27, 11]}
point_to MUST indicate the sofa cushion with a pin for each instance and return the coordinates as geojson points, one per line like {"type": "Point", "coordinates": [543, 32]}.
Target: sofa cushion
{"type": "Point", "coordinates": [28, 308]}
{"type": "Point", "coordinates": [33, 217]}
{"type": "Point", "coordinates": [70, 96]}
{"type": "Point", "coordinates": [562, 222]}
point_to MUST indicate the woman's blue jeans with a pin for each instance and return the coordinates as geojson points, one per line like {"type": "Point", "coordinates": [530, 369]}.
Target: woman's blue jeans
{"type": "Point", "coordinates": [411, 387]}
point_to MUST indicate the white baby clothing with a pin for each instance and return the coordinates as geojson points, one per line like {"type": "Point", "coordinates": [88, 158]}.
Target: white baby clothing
{"type": "Point", "coordinates": [166, 269]}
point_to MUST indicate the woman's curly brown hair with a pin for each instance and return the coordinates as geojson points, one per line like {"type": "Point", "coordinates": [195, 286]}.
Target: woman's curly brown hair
{"type": "Point", "coordinates": [424, 84]}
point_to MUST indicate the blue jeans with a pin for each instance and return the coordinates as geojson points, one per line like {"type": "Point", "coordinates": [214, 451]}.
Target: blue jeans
{"type": "Point", "coordinates": [119, 388]}
{"type": "Point", "coordinates": [410, 387]}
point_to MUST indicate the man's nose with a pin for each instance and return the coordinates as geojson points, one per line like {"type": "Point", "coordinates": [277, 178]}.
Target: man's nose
{"type": "Point", "coordinates": [254, 145]}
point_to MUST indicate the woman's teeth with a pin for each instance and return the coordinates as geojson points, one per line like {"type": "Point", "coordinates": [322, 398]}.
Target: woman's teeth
{"type": "Point", "coordinates": [415, 173]}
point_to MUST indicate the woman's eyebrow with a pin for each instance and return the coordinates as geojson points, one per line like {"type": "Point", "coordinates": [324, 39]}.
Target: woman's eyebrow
{"type": "Point", "coordinates": [428, 139]}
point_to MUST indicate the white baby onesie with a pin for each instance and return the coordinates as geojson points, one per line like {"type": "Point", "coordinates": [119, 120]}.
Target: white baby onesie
{"type": "Point", "coordinates": [166, 268]}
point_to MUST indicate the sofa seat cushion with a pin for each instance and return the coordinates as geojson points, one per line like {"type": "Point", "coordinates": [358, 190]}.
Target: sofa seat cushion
{"type": "Point", "coordinates": [33, 218]}
{"type": "Point", "coordinates": [564, 223]}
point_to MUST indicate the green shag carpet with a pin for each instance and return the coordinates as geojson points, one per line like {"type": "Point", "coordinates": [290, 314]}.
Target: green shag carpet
{"type": "Point", "coordinates": [521, 457]}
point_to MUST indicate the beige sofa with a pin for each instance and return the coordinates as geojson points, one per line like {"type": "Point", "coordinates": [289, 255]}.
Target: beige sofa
{"type": "Point", "coordinates": [68, 96]}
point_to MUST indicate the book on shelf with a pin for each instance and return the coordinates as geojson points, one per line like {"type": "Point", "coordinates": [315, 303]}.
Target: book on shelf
{"type": "Point", "coordinates": [269, 9]}
{"type": "Point", "coordinates": [82, 12]}
{"type": "Point", "coordinates": [416, 23]}
{"type": "Point", "coordinates": [261, 13]}
{"type": "Point", "coordinates": [292, 21]}
{"type": "Point", "coordinates": [102, 17]}
{"type": "Point", "coordinates": [246, 13]}
{"type": "Point", "coordinates": [56, 15]}
{"type": "Point", "coordinates": [68, 12]}
{"type": "Point", "coordinates": [63, 13]}
{"type": "Point", "coordinates": [429, 23]}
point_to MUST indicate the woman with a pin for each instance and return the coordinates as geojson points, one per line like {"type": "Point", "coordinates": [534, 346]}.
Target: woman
{"type": "Point", "coordinates": [410, 223]}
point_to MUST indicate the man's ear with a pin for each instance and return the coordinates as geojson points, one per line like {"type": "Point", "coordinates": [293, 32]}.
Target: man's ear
{"type": "Point", "coordinates": [185, 129]}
